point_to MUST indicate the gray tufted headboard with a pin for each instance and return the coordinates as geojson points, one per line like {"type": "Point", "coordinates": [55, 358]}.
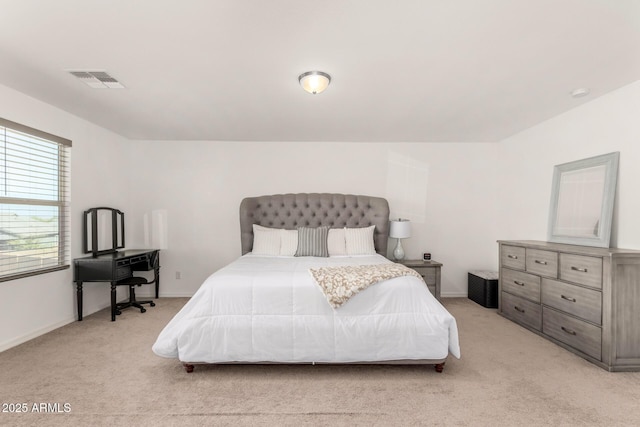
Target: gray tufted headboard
{"type": "Point", "coordinates": [313, 210]}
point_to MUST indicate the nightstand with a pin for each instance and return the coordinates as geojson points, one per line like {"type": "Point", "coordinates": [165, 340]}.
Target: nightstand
{"type": "Point", "coordinates": [430, 272]}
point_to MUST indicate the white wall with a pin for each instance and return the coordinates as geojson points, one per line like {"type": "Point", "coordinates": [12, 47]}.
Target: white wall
{"type": "Point", "coordinates": [448, 191]}
{"type": "Point", "coordinates": [35, 305]}
{"type": "Point", "coordinates": [461, 198]}
{"type": "Point", "coordinates": [609, 123]}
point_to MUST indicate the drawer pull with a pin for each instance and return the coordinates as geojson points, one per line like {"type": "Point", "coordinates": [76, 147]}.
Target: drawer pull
{"type": "Point", "coordinates": [581, 270]}
{"type": "Point", "coordinates": [512, 256]}
{"type": "Point", "coordinates": [518, 309]}
{"type": "Point", "coordinates": [567, 298]}
{"type": "Point", "coordinates": [541, 262]}
{"type": "Point", "coordinates": [518, 283]}
{"type": "Point", "coordinates": [569, 331]}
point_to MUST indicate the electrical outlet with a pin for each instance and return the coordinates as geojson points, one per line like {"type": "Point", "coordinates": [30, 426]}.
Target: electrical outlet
{"type": "Point", "coordinates": [178, 275]}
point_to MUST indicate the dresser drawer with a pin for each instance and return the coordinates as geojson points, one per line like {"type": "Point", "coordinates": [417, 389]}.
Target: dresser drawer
{"type": "Point", "coordinates": [521, 284]}
{"type": "Point", "coordinates": [585, 270]}
{"type": "Point", "coordinates": [432, 289]}
{"type": "Point", "coordinates": [581, 302]}
{"type": "Point", "coordinates": [513, 257]}
{"type": "Point", "coordinates": [580, 335]}
{"type": "Point", "coordinates": [544, 263]}
{"type": "Point", "coordinates": [428, 274]}
{"type": "Point", "coordinates": [521, 311]}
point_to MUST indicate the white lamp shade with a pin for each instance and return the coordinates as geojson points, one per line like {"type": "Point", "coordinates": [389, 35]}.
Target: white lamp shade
{"type": "Point", "coordinates": [400, 229]}
{"type": "Point", "coordinates": [314, 81]}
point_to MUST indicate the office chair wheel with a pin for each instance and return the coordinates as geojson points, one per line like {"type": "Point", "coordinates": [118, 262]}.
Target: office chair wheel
{"type": "Point", "coordinates": [142, 310]}
{"type": "Point", "coordinates": [153, 304]}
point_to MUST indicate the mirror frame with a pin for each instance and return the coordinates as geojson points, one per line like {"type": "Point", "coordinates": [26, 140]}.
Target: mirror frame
{"type": "Point", "coordinates": [90, 240]}
{"type": "Point", "coordinates": [603, 237]}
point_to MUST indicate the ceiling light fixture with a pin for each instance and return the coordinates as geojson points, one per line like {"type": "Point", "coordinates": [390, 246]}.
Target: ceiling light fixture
{"type": "Point", "coordinates": [580, 92]}
{"type": "Point", "coordinates": [314, 82]}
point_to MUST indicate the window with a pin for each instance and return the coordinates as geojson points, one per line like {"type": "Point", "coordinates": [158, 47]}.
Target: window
{"type": "Point", "coordinates": [34, 201]}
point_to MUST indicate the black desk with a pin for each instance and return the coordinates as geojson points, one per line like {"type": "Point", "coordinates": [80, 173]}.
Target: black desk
{"type": "Point", "coordinates": [113, 267]}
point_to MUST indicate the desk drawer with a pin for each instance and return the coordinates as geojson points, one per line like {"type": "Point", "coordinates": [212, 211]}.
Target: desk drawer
{"type": "Point", "coordinates": [521, 284]}
{"type": "Point", "coordinates": [578, 334]}
{"type": "Point", "coordinates": [123, 272]}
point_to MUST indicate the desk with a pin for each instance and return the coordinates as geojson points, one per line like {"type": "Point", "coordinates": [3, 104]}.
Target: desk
{"type": "Point", "coordinates": [113, 267]}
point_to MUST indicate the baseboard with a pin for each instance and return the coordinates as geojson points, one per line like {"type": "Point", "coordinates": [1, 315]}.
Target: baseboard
{"type": "Point", "coordinates": [140, 295]}
{"type": "Point", "coordinates": [35, 334]}
{"type": "Point", "coordinates": [453, 295]}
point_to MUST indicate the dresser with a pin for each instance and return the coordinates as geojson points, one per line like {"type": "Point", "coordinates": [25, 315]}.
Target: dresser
{"type": "Point", "coordinates": [585, 299]}
{"type": "Point", "coordinates": [430, 272]}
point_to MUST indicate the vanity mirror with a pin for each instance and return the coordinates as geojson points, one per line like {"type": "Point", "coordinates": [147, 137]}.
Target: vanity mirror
{"type": "Point", "coordinates": [103, 231]}
{"type": "Point", "coordinates": [582, 197]}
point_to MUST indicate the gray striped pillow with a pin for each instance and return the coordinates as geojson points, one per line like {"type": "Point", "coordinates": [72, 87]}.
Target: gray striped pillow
{"type": "Point", "coordinates": [312, 241]}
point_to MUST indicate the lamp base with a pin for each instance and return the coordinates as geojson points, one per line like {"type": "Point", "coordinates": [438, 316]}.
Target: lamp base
{"type": "Point", "coordinates": [398, 252]}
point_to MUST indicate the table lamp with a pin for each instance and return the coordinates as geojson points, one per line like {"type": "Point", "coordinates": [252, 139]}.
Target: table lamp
{"type": "Point", "coordinates": [400, 229]}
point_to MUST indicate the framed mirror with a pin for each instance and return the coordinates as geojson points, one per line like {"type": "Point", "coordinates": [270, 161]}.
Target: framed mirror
{"type": "Point", "coordinates": [103, 231]}
{"type": "Point", "coordinates": [582, 197]}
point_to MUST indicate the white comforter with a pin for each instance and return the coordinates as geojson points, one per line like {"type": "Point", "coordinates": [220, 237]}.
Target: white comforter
{"type": "Point", "coordinates": [269, 309]}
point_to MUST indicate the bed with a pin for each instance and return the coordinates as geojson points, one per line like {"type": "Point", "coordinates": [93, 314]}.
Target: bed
{"type": "Point", "coordinates": [271, 305]}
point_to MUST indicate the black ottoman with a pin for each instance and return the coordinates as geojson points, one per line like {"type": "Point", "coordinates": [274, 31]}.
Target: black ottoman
{"type": "Point", "coordinates": [483, 288]}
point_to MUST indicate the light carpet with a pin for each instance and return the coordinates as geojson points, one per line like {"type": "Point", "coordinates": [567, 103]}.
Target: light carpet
{"type": "Point", "coordinates": [97, 372]}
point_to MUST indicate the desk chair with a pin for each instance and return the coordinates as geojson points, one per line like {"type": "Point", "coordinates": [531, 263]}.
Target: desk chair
{"type": "Point", "coordinates": [132, 282]}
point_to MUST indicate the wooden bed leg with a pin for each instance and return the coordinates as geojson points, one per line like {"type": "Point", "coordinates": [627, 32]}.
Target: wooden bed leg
{"type": "Point", "coordinates": [188, 367]}
{"type": "Point", "coordinates": [439, 367]}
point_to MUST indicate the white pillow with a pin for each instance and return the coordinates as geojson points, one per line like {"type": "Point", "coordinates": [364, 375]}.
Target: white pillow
{"type": "Point", "coordinates": [359, 241]}
{"type": "Point", "coordinates": [289, 242]}
{"type": "Point", "coordinates": [274, 241]}
{"type": "Point", "coordinates": [336, 242]}
{"type": "Point", "coordinates": [266, 241]}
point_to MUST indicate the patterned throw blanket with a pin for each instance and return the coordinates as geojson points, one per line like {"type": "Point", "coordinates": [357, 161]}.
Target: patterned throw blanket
{"type": "Point", "coordinates": [341, 283]}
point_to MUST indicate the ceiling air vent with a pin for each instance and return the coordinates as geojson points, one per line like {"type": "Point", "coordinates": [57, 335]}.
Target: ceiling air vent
{"type": "Point", "coordinates": [97, 79]}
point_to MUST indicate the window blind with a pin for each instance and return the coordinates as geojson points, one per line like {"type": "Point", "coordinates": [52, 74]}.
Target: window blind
{"type": "Point", "coordinates": [34, 201]}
